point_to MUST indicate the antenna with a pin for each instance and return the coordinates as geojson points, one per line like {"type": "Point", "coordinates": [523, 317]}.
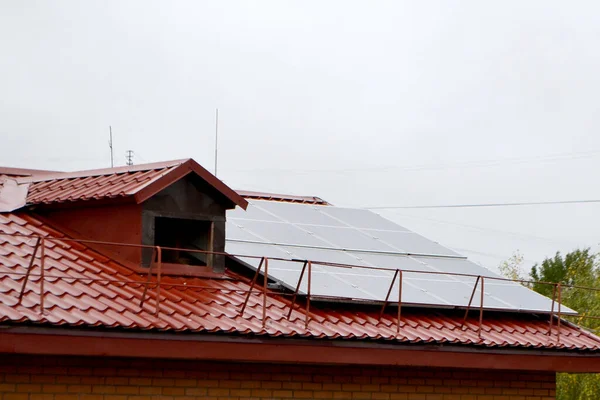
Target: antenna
{"type": "Point", "coordinates": [110, 145]}
{"type": "Point", "coordinates": [129, 157]}
{"type": "Point", "coordinates": [216, 139]}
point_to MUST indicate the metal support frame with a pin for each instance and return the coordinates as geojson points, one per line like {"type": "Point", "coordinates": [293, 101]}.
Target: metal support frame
{"type": "Point", "coordinates": [148, 278]}
{"type": "Point", "coordinates": [397, 274]}
{"type": "Point", "coordinates": [293, 303]}
{"type": "Point", "coordinates": [262, 260]}
{"type": "Point", "coordinates": [306, 318]}
{"type": "Point", "coordinates": [265, 287]}
{"type": "Point", "coordinates": [481, 307]}
{"type": "Point", "coordinates": [552, 310]}
{"type": "Point", "coordinates": [40, 246]}
{"type": "Point", "coordinates": [156, 256]}
{"type": "Point", "coordinates": [158, 277]}
{"type": "Point", "coordinates": [42, 274]}
{"type": "Point", "coordinates": [35, 249]}
{"type": "Point", "coordinates": [399, 301]}
{"type": "Point", "coordinates": [387, 296]}
{"type": "Point", "coordinates": [470, 301]}
{"type": "Point", "coordinates": [559, 288]}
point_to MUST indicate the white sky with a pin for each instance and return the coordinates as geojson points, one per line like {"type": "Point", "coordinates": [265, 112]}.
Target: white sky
{"type": "Point", "coordinates": [363, 103]}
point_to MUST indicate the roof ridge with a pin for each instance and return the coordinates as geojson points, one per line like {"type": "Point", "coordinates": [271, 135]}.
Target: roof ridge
{"type": "Point", "coordinates": [15, 171]}
{"type": "Point", "coordinates": [284, 198]}
{"type": "Point", "coordinates": [102, 171]}
{"type": "Point", "coordinates": [112, 183]}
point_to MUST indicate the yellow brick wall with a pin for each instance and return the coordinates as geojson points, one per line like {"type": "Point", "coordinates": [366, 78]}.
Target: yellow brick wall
{"type": "Point", "coordinates": [73, 378]}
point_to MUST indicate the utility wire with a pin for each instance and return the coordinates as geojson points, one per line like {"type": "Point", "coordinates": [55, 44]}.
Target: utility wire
{"type": "Point", "coordinates": [490, 255]}
{"type": "Point", "coordinates": [521, 236]}
{"type": "Point", "coordinates": [424, 167]}
{"type": "Point", "coordinates": [531, 203]}
{"type": "Point", "coordinates": [138, 155]}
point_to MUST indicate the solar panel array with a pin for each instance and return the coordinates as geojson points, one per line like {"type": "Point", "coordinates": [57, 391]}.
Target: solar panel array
{"type": "Point", "coordinates": [357, 237]}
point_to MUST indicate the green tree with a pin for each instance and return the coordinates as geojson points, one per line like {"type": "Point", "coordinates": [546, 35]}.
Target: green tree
{"type": "Point", "coordinates": [511, 268]}
{"type": "Point", "coordinates": [577, 268]}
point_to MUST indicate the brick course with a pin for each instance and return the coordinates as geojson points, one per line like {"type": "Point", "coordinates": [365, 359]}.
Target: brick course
{"type": "Point", "coordinates": [79, 378]}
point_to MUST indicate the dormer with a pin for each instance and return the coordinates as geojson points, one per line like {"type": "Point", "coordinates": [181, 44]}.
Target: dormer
{"type": "Point", "coordinates": [187, 214]}
{"type": "Point", "coordinates": [174, 205]}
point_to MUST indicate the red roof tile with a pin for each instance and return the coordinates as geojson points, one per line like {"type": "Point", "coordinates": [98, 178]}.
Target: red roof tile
{"type": "Point", "coordinates": [85, 288]}
{"type": "Point", "coordinates": [140, 181]}
{"type": "Point", "coordinates": [100, 184]}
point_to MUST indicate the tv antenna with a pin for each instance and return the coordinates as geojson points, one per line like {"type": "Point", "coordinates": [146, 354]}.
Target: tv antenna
{"type": "Point", "coordinates": [110, 145]}
{"type": "Point", "coordinates": [129, 157]}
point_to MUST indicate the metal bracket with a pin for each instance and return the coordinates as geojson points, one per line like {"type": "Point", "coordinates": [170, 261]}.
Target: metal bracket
{"type": "Point", "coordinates": [262, 260]}
{"type": "Point", "coordinates": [265, 287]}
{"type": "Point", "coordinates": [471, 301]}
{"type": "Point", "coordinates": [35, 249]}
{"type": "Point", "coordinates": [149, 277]}
{"type": "Point", "coordinates": [306, 318]}
{"type": "Point", "coordinates": [552, 310]}
{"type": "Point", "coordinates": [387, 296]}
{"type": "Point", "coordinates": [297, 289]}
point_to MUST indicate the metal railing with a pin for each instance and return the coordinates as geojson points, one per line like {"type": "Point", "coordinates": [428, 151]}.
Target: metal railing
{"type": "Point", "coordinates": [155, 268]}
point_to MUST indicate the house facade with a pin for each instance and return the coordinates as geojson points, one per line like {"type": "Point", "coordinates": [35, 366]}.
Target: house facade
{"type": "Point", "coordinates": [117, 285]}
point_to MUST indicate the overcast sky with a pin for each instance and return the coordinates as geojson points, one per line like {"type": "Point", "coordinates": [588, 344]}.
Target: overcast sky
{"type": "Point", "coordinates": [363, 103]}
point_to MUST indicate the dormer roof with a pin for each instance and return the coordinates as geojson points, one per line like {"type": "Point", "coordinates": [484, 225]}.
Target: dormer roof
{"type": "Point", "coordinates": [139, 182]}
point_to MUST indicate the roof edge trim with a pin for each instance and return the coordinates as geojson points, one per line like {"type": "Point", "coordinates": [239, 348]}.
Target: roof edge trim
{"type": "Point", "coordinates": [284, 198]}
{"type": "Point", "coordinates": [101, 172]}
{"type": "Point", "coordinates": [183, 170]}
{"type": "Point", "coordinates": [223, 348]}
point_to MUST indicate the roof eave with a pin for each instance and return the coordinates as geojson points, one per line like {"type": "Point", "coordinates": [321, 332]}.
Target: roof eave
{"type": "Point", "coordinates": [42, 341]}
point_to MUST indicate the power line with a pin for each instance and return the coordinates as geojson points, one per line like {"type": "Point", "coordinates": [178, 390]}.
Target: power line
{"type": "Point", "coordinates": [521, 236]}
{"type": "Point", "coordinates": [531, 203]}
{"type": "Point", "coordinates": [424, 167]}
{"type": "Point", "coordinates": [490, 255]}
{"type": "Point", "coordinates": [137, 154]}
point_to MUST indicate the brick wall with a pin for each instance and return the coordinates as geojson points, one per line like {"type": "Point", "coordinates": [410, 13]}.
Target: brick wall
{"type": "Point", "coordinates": [70, 378]}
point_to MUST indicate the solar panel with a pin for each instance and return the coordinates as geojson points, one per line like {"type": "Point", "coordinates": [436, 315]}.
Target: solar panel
{"type": "Point", "coordinates": [301, 215]}
{"type": "Point", "coordinates": [362, 219]}
{"type": "Point", "coordinates": [347, 238]}
{"type": "Point", "coordinates": [341, 240]}
{"type": "Point", "coordinates": [409, 242]}
{"type": "Point", "coordinates": [281, 233]}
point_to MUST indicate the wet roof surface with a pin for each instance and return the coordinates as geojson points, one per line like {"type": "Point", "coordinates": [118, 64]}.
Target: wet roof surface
{"type": "Point", "coordinates": [85, 288]}
{"type": "Point", "coordinates": [47, 187]}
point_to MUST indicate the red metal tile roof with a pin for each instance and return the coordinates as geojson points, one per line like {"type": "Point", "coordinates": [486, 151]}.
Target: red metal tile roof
{"type": "Point", "coordinates": [85, 288]}
{"type": "Point", "coordinates": [98, 184]}
{"type": "Point", "coordinates": [140, 181]}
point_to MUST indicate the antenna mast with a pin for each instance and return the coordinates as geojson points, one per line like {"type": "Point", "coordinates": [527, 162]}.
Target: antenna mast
{"type": "Point", "coordinates": [110, 145]}
{"type": "Point", "coordinates": [216, 139]}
